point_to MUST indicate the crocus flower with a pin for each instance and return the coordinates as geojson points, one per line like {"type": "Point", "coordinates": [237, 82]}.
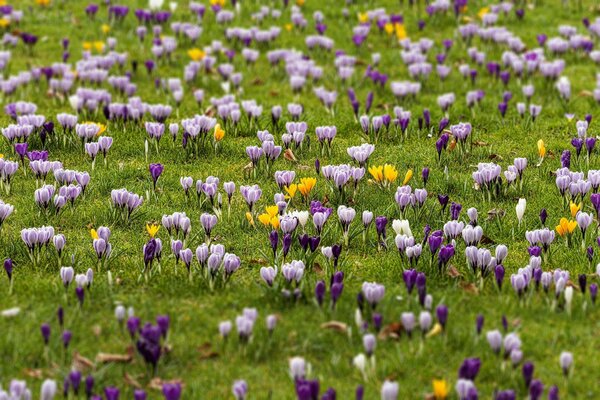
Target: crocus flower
{"type": "Point", "coordinates": [155, 171]}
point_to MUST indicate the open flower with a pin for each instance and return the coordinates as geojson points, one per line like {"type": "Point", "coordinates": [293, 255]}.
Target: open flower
{"type": "Point", "coordinates": [291, 190]}
{"type": "Point", "coordinates": [270, 217]}
{"type": "Point", "coordinates": [440, 389]}
{"type": "Point", "coordinates": [306, 185]}
{"type": "Point", "coordinates": [574, 208]}
{"type": "Point", "coordinates": [152, 229]}
{"type": "Point", "coordinates": [196, 54]}
{"type": "Point", "coordinates": [219, 133]}
{"type": "Point", "coordinates": [566, 227]}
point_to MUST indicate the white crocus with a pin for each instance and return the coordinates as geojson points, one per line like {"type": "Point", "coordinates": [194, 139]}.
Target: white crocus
{"type": "Point", "coordinates": [402, 227]}
{"type": "Point", "coordinates": [297, 367]}
{"type": "Point", "coordinates": [360, 362]}
{"type": "Point", "coordinates": [302, 217]}
{"type": "Point", "coordinates": [155, 4]}
{"type": "Point", "coordinates": [521, 205]}
{"type": "Point", "coordinates": [568, 298]}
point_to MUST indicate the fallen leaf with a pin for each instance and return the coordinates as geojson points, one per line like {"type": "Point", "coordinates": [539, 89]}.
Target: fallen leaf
{"type": "Point", "coordinates": [157, 383]}
{"type": "Point", "coordinates": [288, 154]}
{"type": "Point", "coordinates": [453, 271]}
{"type": "Point", "coordinates": [391, 331]}
{"type": "Point", "coordinates": [480, 143]}
{"type": "Point", "coordinates": [495, 157]}
{"type": "Point", "coordinates": [109, 358]}
{"type": "Point", "coordinates": [257, 81]}
{"type": "Point", "coordinates": [469, 287]}
{"type": "Point", "coordinates": [81, 363]}
{"type": "Point", "coordinates": [33, 373]}
{"type": "Point", "coordinates": [496, 213]}
{"type": "Point", "coordinates": [131, 381]}
{"type": "Point", "coordinates": [206, 351]}
{"type": "Point", "coordinates": [335, 325]}
{"type": "Point", "coordinates": [486, 240]}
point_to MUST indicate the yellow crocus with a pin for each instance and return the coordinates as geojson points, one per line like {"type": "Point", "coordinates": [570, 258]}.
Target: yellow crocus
{"type": "Point", "coordinates": [87, 46]}
{"type": "Point", "coordinates": [306, 185]}
{"type": "Point", "coordinates": [390, 173]}
{"type": "Point", "coordinates": [105, 28]}
{"type": "Point", "coordinates": [272, 211]}
{"type": "Point", "coordinates": [42, 3]}
{"type": "Point", "coordinates": [377, 173]}
{"type": "Point", "coordinates": [264, 219]}
{"type": "Point", "coordinates": [440, 389]}
{"type": "Point", "coordinates": [4, 22]}
{"type": "Point", "coordinates": [249, 218]}
{"type": "Point", "coordinates": [93, 234]}
{"type": "Point", "coordinates": [288, 27]}
{"type": "Point", "coordinates": [482, 12]}
{"type": "Point", "coordinates": [363, 18]}
{"type": "Point", "coordinates": [291, 191]}
{"type": "Point", "coordinates": [541, 148]}
{"type": "Point", "coordinates": [99, 45]}
{"type": "Point", "coordinates": [574, 208]}
{"type": "Point", "coordinates": [219, 133]}
{"type": "Point", "coordinates": [436, 330]}
{"type": "Point", "coordinates": [300, 3]}
{"type": "Point", "coordinates": [196, 54]}
{"type": "Point", "coordinates": [152, 229]}
{"type": "Point", "coordinates": [566, 227]}
{"type": "Point", "coordinates": [389, 28]}
{"type": "Point", "coordinates": [102, 127]}
{"type": "Point", "coordinates": [400, 31]}
{"type": "Point", "coordinates": [407, 177]}
{"type": "Point", "coordinates": [275, 222]}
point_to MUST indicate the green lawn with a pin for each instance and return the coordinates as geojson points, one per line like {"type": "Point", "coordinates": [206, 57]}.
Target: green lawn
{"type": "Point", "coordinates": [197, 356]}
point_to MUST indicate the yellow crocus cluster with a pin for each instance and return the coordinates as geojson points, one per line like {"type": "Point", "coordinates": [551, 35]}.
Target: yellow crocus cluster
{"type": "Point", "coordinates": [270, 217]}
{"type": "Point", "coordinates": [566, 227]}
{"type": "Point", "coordinates": [98, 45]}
{"type": "Point", "coordinates": [306, 185]}
{"type": "Point", "coordinates": [217, 3]}
{"type": "Point", "coordinates": [396, 28]}
{"type": "Point", "coordinates": [384, 174]}
{"type": "Point", "coordinates": [152, 229]}
{"type": "Point", "coordinates": [196, 54]}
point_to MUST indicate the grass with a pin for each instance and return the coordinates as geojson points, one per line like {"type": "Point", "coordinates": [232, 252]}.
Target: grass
{"type": "Point", "coordinates": [198, 356]}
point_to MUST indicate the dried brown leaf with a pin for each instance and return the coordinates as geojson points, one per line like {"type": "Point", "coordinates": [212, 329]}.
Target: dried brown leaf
{"type": "Point", "coordinates": [335, 325]}
{"type": "Point", "coordinates": [391, 331]}
{"type": "Point", "coordinates": [131, 381]}
{"type": "Point", "coordinates": [110, 358]}
{"type": "Point", "coordinates": [469, 287]}
{"type": "Point", "coordinates": [288, 154]}
{"type": "Point", "coordinates": [157, 383]}
{"type": "Point", "coordinates": [453, 271]}
{"type": "Point", "coordinates": [33, 373]}
{"type": "Point", "coordinates": [206, 351]}
{"type": "Point", "coordinates": [82, 363]}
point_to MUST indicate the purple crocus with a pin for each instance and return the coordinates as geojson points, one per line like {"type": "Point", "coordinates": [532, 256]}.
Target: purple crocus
{"type": "Point", "coordinates": [155, 171]}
